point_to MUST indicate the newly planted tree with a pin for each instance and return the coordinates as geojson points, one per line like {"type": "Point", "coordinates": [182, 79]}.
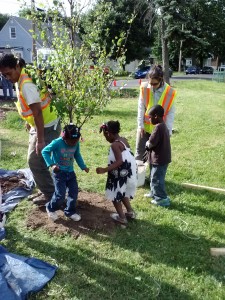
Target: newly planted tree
{"type": "Point", "coordinates": [78, 91]}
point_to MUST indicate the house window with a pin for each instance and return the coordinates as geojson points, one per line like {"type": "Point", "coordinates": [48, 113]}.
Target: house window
{"type": "Point", "coordinates": [12, 32]}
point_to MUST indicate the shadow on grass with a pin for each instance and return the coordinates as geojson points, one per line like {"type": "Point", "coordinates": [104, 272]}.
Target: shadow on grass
{"type": "Point", "coordinates": [159, 254]}
{"type": "Point", "coordinates": [90, 274]}
{"type": "Point", "coordinates": [193, 207]}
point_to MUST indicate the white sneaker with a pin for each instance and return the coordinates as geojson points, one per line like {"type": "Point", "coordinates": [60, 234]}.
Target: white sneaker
{"type": "Point", "coordinates": [52, 215]}
{"type": "Point", "coordinates": [75, 217]}
{"type": "Point", "coordinates": [149, 195]}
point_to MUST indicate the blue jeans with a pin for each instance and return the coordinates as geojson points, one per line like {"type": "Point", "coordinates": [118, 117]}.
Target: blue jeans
{"type": "Point", "coordinates": [157, 181]}
{"type": "Point", "coordinates": [64, 180]}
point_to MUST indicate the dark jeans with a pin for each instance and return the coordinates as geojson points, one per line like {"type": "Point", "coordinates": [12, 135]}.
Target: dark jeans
{"type": "Point", "coordinates": [157, 181]}
{"type": "Point", "coordinates": [64, 180]}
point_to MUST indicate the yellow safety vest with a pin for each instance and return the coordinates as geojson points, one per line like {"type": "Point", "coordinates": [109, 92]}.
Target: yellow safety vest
{"type": "Point", "coordinates": [166, 101]}
{"type": "Point", "coordinates": [24, 110]}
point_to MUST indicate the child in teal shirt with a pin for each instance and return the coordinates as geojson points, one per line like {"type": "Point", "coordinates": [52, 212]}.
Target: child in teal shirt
{"type": "Point", "coordinates": [60, 155]}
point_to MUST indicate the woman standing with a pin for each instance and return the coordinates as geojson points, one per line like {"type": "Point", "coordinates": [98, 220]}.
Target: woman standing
{"type": "Point", "coordinates": [44, 126]}
{"type": "Point", "coordinates": [153, 92]}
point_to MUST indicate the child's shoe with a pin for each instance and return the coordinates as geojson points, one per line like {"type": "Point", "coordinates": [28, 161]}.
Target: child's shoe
{"type": "Point", "coordinates": [117, 219]}
{"type": "Point", "coordinates": [163, 202]}
{"type": "Point", "coordinates": [52, 215]}
{"type": "Point", "coordinates": [131, 215]}
{"type": "Point", "coordinates": [75, 217]}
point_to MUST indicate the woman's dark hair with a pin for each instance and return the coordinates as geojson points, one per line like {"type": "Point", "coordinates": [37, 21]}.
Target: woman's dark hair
{"type": "Point", "coordinates": [157, 110]}
{"type": "Point", "coordinates": [11, 61]}
{"type": "Point", "coordinates": [156, 73]}
{"type": "Point", "coordinates": [71, 132]}
{"type": "Point", "coordinates": [110, 126]}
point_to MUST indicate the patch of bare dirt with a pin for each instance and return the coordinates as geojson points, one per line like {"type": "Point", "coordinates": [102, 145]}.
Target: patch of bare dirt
{"type": "Point", "coordinates": [93, 208]}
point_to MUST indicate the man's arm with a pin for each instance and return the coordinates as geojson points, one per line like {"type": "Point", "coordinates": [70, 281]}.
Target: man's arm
{"type": "Point", "coordinates": [39, 122]}
{"type": "Point", "coordinates": [141, 112]}
{"type": "Point", "coordinates": [170, 119]}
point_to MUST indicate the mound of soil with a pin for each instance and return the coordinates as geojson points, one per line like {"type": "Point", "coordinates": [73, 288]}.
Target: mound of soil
{"type": "Point", "coordinates": [11, 182]}
{"type": "Point", "coordinates": [93, 208]}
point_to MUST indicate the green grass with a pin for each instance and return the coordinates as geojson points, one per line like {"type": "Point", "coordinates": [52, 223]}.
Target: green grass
{"type": "Point", "coordinates": [165, 253]}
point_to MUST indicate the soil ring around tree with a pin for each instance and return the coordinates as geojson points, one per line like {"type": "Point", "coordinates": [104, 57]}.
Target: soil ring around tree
{"type": "Point", "coordinates": [95, 216]}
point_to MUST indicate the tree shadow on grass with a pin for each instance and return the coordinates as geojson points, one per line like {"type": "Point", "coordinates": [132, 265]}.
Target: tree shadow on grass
{"type": "Point", "coordinates": [90, 274]}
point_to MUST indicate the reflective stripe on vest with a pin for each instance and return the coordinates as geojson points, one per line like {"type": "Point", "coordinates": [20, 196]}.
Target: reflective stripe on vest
{"type": "Point", "coordinates": [25, 111]}
{"type": "Point", "coordinates": [166, 101]}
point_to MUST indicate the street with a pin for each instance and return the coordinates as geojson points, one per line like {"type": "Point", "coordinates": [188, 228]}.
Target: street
{"type": "Point", "coordinates": [133, 83]}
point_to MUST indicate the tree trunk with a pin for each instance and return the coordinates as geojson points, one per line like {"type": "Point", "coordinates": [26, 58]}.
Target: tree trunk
{"type": "Point", "coordinates": [165, 52]}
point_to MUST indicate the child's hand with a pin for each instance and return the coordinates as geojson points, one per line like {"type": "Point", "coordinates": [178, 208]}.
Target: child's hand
{"type": "Point", "coordinates": [86, 170]}
{"type": "Point", "coordinates": [55, 168]}
{"type": "Point", "coordinates": [100, 170]}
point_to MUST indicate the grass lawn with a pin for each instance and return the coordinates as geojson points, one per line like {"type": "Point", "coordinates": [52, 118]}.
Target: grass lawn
{"type": "Point", "coordinates": [165, 254]}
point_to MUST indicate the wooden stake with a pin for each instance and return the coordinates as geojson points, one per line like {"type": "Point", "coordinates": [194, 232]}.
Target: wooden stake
{"type": "Point", "coordinates": [209, 188]}
{"type": "Point", "coordinates": [217, 251]}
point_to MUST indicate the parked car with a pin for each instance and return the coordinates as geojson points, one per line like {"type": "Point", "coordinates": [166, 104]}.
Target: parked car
{"type": "Point", "coordinates": [207, 70]}
{"type": "Point", "coordinates": [221, 68]}
{"type": "Point", "coordinates": [142, 73]}
{"type": "Point", "coordinates": [192, 70]}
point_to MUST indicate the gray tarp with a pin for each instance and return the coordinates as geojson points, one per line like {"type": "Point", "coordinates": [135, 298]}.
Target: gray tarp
{"type": "Point", "coordinates": [12, 197]}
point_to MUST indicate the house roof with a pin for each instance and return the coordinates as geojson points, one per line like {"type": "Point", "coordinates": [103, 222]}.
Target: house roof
{"type": "Point", "coordinates": [26, 25]}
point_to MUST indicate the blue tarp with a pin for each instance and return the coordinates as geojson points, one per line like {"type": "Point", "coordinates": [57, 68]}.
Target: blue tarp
{"type": "Point", "coordinates": [11, 198]}
{"type": "Point", "coordinates": [20, 275]}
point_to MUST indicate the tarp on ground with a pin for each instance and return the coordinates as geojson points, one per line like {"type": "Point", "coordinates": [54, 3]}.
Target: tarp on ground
{"type": "Point", "coordinates": [15, 195]}
{"type": "Point", "coordinates": [20, 275]}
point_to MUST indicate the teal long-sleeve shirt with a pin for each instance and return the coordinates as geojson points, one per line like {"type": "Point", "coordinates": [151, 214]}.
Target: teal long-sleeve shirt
{"type": "Point", "coordinates": [60, 154]}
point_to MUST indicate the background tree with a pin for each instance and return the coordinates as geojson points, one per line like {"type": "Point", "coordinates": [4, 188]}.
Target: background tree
{"type": "Point", "coordinates": [122, 26]}
{"type": "Point", "coordinates": [3, 19]}
{"type": "Point", "coordinates": [170, 15]}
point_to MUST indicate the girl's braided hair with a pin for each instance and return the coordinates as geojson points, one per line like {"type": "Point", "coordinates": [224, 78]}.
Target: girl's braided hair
{"type": "Point", "coordinates": [110, 126]}
{"type": "Point", "coordinates": [71, 132]}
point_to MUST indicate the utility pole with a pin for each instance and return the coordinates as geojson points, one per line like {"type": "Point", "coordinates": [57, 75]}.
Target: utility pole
{"type": "Point", "coordinates": [34, 46]}
{"type": "Point", "coordinates": [180, 55]}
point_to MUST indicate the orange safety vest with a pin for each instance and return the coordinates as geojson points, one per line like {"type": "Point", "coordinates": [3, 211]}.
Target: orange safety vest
{"type": "Point", "coordinates": [24, 110]}
{"type": "Point", "coordinates": [166, 101]}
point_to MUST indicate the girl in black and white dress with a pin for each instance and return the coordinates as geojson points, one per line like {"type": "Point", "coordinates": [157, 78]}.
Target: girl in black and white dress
{"type": "Point", "coordinates": [122, 172]}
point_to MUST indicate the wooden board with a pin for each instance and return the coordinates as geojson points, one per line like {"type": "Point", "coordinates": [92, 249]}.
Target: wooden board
{"type": "Point", "coordinates": [209, 188]}
{"type": "Point", "coordinates": [217, 251]}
